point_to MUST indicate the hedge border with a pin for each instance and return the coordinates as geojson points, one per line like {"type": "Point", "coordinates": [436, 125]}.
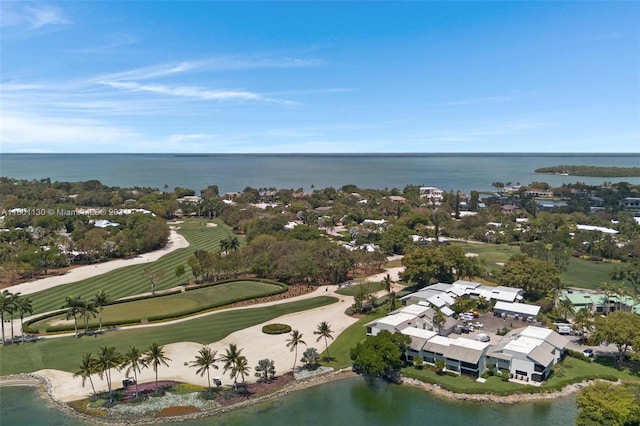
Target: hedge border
{"type": "Point", "coordinates": [156, 318]}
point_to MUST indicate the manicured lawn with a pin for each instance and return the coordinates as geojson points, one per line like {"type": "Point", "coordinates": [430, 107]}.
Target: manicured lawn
{"type": "Point", "coordinates": [492, 254]}
{"type": "Point", "coordinates": [172, 305]}
{"type": "Point", "coordinates": [66, 352]}
{"type": "Point", "coordinates": [586, 274]}
{"type": "Point", "coordinates": [340, 348]}
{"type": "Point", "coordinates": [130, 280]}
{"type": "Point", "coordinates": [580, 273]}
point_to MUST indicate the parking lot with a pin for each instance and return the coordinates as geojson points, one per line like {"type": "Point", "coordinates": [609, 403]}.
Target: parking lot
{"type": "Point", "coordinates": [491, 325]}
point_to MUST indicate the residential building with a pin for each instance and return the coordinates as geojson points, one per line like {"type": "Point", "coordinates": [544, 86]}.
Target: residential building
{"type": "Point", "coordinates": [528, 353]}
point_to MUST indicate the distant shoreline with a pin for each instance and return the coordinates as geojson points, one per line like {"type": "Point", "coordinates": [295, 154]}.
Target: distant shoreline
{"type": "Point", "coordinates": [591, 171]}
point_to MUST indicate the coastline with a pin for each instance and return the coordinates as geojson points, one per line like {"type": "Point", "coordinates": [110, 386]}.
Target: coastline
{"type": "Point", "coordinates": [46, 391]}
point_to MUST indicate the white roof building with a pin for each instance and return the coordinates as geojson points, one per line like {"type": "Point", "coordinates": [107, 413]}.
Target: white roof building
{"type": "Point", "coordinates": [521, 309]}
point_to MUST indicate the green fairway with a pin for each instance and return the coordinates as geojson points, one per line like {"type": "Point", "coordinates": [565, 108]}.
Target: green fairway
{"type": "Point", "coordinates": [580, 273]}
{"type": "Point", "coordinates": [170, 306]}
{"type": "Point", "coordinates": [130, 280]}
{"type": "Point", "coordinates": [586, 274]}
{"type": "Point", "coordinates": [65, 353]}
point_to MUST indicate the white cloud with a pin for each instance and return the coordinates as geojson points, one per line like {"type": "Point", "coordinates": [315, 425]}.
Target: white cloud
{"type": "Point", "coordinates": [31, 16]}
{"type": "Point", "coordinates": [186, 91]}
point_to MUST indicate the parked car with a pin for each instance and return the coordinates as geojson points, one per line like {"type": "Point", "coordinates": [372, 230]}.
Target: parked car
{"type": "Point", "coordinates": [482, 337]}
{"type": "Point", "coordinates": [588, 353]}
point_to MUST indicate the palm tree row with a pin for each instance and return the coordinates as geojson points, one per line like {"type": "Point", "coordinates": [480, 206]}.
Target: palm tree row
{"type": "Point", "coordinates": [14, 304]}
{"type": "Point", "coordinates": [76, 307]}
{"type": "Point", "coordinates": [134, 361]}
{"type": "Point", "coordinates": [109, 359]}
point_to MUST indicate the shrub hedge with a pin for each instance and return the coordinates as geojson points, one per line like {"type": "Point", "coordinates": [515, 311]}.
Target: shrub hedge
{"type": "Point", "coordinates": [276, 329]}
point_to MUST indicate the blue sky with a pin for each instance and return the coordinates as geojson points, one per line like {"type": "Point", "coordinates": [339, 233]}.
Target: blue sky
{"type": "Point", "coordinates": [271, 77]}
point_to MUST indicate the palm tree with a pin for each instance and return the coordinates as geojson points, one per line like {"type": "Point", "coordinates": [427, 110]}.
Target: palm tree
{"type": "Point", "coordinates": [230, 356]}
{"type": "Point", "coordinates": [293, 342]}
{"type": "Point", "coordinates": [133, 360]}
{"type": "Point", "coordinates": [229, 244]}
{"type": "Point", "coordinates": [5, 305]}
{"type": "Point", "coordinates": [87, 309]}
{"type": "Point", "coordinates": [107, 359]}
{"type": "Point", "coordinates": [155, 357]}
{"type": "Point", "coordinates": [324, 330]}
{"type": "Point", "coordinates": [100, 300]}
{"type": "Point", "coordinates": [439, 319]}
{"type": "Point", "coordinates": [583, 319]}
{"type": "Point", "coordinates": [72, 304]}
{"type": "Point", "coordinates": [566, 308]}
{"type": "Point", "coordinates": [393, 300]}
{"type": "Point", "coordinates": [23, 305]}
{"type": "Point", "coordinates": [87, 367]}
{"type": "Point", "coordinates": [388, 283]}
{"type": "Point", "coordinates": [311, 358]}
{"type": "Point", "coordinates": [482, 302]}
{"type": "Point", "coordinates": [11, 308]}
{"type": "Point", "coordinates": [240, 368]}
{"type": "Point", "coordinates": [205, 360]}
{"type": "Point", "coordinates": [265, 370]}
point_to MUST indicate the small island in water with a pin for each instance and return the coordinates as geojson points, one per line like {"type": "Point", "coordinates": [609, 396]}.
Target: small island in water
{"type": "Point", "coordinates": [591, 171]}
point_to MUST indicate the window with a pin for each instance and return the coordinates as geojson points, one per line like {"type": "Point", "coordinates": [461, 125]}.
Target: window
{"type": "Point", "coordinates": [521, 373]}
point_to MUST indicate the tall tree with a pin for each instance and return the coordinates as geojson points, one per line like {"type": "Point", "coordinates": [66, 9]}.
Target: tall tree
{"type": "Point", "coordinates": [566, 308]}
{"type": "Point", "coordinates": [100, 300]}
{"type": "Point", "coordinates": [387, 282]}
{"type": "Point", "coordinates": [205, 360]}
{"type": "Point", "coordinates": [106, 360]}
{"type": "Point", "coordinates": [535, 277]}
{"type": "Point", "coordinates": [604, 403]}
{"type": "Point", "coordinates": [380, 355]}
{"type": "Point", "coordinates": [439, 319]}
{"type": "Point", "coordinates": [5, 300]}
{"type": "Point", "coordinates": [618, 328]}
{"type": "Point", "coordinates": [87, 368]}
{"type": "Point", "coordinates": [73, 306]}
{"type": "Point", "coordinates": [232, 360]}
{"type": "Point", "coordinates": [23, 305]}
{"type": "Point", "coordinates": [294, 340]}
{"type": "Point", "coordinates": [133, 360]}
{"type": "Point", "coordinates": [87, 310]}
{"type": "Point", "coordinates": [155, 357]}
{"type": "Point", "coordinates": [240, 368]}
{"type": "Point", "coordinates": [12, 308]}
{"type": "Point", "coordinates": [583, 320]}
{"type": "Point", "coordinates": [154, 276]}
{"type": "Point", "coordinates": [324, 331]}
{"type": "Point", "coordinates": [393, 301]}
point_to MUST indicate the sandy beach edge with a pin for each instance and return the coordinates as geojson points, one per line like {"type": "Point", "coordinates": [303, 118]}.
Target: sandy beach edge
{"type": "Point", "coordinates": [44, 384]}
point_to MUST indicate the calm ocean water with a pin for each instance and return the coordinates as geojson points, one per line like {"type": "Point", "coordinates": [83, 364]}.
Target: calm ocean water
{"type": "Point", "coordinates": [346, 402]}
{"type": "Point", "coordinates": [235, 172]}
